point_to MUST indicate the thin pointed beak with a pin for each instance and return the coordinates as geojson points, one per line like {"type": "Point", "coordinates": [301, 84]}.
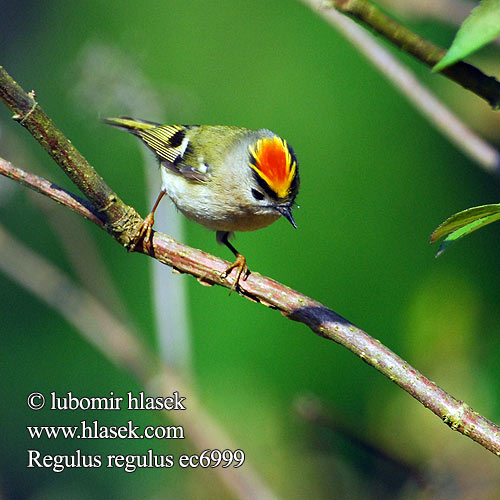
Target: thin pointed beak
{"type": "Point", "coordinates": [286, 212]}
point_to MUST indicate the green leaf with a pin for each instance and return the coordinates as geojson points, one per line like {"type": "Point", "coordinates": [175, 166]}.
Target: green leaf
{"type": "Point", "coordinates": [481, 27]}
{"type": "Point", "coordinates": [463, 223]}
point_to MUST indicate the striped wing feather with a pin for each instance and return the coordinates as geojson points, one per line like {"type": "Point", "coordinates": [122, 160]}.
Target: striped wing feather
{"type": "Point", "coordinates": [164, 141]}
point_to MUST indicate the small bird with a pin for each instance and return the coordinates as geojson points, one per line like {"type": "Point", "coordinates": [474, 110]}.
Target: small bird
{"type": "Point", "coordinates": [225, 178]}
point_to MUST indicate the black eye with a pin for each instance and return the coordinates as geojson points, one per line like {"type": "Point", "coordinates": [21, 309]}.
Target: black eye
{"type": "Point", "coordinates": [257, 194]}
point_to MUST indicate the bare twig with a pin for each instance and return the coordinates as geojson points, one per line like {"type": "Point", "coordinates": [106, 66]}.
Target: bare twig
{"type": "Point", "coordinates": [466, 75]}
{"type": "Point", "coordinates": [448, 11]}
{"type": "Point", "coordinates": [451, 12]}
{"type": "Point", "coordinates": [294, 305]}
{"type": "Point", "coordinates": [424, 100]}
{"type": "Point", "coordinates": [73, 233]}
{"type": "Point", "coordinates": [56, 193]}
{"type": "Point", "coordinates": [80, 308]}
{"type": "Point", "coordinates": [83, 254]}
{"type": "Point", "coordinates": [311, 409]}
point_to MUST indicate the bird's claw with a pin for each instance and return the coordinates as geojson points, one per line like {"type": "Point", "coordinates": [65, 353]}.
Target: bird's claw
{"type": "Point", "coordinates": [240, 264]}
{"type": "Point", "coordinates": [144, 234]}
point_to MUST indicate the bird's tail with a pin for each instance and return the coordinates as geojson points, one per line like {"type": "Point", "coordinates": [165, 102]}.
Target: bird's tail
{"type": "Point", "coordinates": [131, 125]}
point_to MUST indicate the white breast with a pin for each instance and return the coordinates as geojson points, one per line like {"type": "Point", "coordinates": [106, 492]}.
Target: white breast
{"type": "Point", "coordinates": [221, 213]}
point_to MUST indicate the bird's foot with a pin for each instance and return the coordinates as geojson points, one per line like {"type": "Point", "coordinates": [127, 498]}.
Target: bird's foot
{"type": "Point", "coordinates": [144, 234]}
{"type": "Point", "coordinates": [240, 264]}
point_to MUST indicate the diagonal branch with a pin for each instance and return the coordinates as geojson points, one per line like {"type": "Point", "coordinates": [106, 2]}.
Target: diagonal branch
{"type": "Point", "coordinates": [56, 193]}
{"type": "Point", "coordinates": [311, 409]}
{"type": "Point", "coordinates": [119, 218]}
{"type": "Point", "coordinates": [426, 102]}
{"type": "Point", "coordinates": [466, 75]}
{"type": "Point", "coordinates": [292, 304]}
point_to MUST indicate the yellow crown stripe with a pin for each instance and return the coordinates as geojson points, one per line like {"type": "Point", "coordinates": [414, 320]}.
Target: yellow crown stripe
{"type": "Point", "coordinates": [263, 176]}
{"type": "Point", "coordinates": [283, 188]}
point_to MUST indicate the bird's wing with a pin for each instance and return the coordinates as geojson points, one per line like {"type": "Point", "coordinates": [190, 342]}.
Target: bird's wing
{"type": "Point", "coordinates": [172, 147]}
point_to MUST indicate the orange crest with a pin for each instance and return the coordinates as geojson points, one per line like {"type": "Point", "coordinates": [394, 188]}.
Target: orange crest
{"type": "Point", "coordinates": [272, 160]}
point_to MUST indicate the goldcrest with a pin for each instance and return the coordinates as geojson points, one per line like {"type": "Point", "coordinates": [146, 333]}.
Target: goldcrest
{"type": "Point", "coordinates": [225, 178]}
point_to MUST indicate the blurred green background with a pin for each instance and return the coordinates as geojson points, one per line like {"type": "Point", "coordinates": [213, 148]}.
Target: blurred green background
{"type": "Point", "coordinates": [376, 180]}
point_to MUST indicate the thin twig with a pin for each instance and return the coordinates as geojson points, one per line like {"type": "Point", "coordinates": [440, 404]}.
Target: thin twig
{"type": "Point", "coordinates": [448, 11]}
{"type": "Point", "coordinates": [310, 408]}
{"type": "Point", "coordinates": [73, 233]}
{"type": "Point", "coordinates": [452, 12]}
{"type": "Point", "coordinates": [298, 307]}
{"type": "Point", "coordinates": [83, 254]}
{"type": "Point", "coordinates": [474, 146]}
{"type": "Point", "coordinates": [56, 193]}
{"type": "Point", "coordinates": [121, 346]}
{"type": "Point", "coordinates": [466, 75]}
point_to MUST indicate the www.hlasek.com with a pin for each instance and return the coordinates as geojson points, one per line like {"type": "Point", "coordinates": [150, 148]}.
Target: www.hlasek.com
{"type": "Point", "coordinates": [93, 430]}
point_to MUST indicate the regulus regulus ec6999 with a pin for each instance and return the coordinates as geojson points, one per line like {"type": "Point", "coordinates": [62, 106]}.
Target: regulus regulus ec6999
{"type": "Point", "coordinates": [225, 178]}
